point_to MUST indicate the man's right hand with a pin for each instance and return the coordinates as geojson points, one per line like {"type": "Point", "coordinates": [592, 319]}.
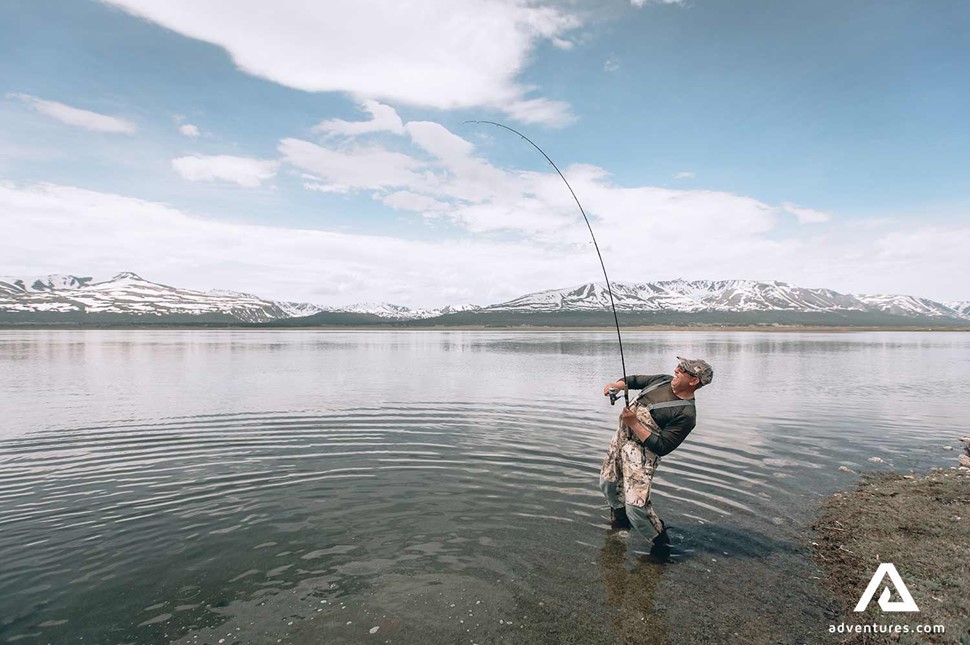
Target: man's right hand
{"type": "Point", "coordinates": [619, 385]}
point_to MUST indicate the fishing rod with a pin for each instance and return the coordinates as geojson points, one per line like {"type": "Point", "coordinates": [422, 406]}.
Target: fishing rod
{"type": "Point", "coordinates": [612, 393]}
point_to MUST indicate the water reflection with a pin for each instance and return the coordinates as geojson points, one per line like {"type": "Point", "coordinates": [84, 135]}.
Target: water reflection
{"type": "Point", "coordinates": [631, 594]}
{"type": "Point", "coordinates": [152, 481]}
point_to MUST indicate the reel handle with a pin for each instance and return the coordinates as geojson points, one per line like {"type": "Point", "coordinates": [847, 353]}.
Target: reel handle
{"type": "Point", "coordinates": [614, 394]}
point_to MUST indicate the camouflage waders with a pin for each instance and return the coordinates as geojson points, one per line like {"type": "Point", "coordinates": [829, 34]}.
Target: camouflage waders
{"type": "Point", "coordinates": [627, 473]}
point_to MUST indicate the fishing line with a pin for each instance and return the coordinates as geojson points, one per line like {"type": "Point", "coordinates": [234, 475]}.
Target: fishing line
{"type": "Point", "coordinates": [609, 289]}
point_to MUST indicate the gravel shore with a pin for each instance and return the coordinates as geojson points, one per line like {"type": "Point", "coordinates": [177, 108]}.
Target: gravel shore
{"type": "Point", "coordinates": [921, 524]}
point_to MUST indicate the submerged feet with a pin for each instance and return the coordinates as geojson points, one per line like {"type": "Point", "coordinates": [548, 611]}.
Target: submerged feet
{"type": "Point", "coordinates": [659, 550]}
{"type": "Point", "coordinates": [660, 553]}
{"type": "Point", "coordinates": [619, 520]}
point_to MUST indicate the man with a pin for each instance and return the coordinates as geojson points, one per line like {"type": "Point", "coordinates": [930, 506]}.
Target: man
{"type": "Point", "coordinates": [655, 424]}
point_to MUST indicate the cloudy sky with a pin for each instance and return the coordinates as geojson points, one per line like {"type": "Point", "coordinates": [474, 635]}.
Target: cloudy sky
{"type": "Point", "coordinates": [319, 151]}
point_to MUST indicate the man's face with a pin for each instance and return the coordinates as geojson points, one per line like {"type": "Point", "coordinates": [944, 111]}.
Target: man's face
{"type": "Point", "coordinates": [683, 380]}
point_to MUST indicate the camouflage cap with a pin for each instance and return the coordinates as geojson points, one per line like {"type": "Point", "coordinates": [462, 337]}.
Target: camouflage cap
{"type": "Point", "coordinates": [697, 367]}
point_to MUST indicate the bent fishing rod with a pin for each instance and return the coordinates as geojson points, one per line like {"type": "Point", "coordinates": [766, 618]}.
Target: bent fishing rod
{"type": "Point", "coordinates": [612, 394]}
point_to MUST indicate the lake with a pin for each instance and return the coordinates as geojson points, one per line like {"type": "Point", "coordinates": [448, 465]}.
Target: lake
{"type": "Point", "coordinates": [228, 486]}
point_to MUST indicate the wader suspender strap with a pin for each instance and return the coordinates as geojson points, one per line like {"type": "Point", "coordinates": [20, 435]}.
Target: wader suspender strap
{"type": "Point", "coordinates": [665, 404]}
{"type": "Point", "coordinates": [670, 404]}
{"type": "Point", "coordinates": [650, 388]}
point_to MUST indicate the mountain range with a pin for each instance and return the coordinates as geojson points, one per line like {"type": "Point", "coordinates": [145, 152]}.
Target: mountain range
{"type": "Point", "coordinates": [127, 298]}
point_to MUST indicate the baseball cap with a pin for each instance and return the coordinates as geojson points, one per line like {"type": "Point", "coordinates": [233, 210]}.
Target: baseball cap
{"type": "Point", "coordinates": [698, 368]}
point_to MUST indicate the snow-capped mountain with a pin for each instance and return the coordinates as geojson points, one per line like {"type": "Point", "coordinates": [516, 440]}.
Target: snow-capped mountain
{"type": "Point", "coordinates": [9, 284]}
{"type": "Point", "coordinates": [386, 310]}
{"type": "Point", "coordinates": [961, 307]}
{"type": "Point", "coordinates": [129, 294]}
{"type": "Point", "coordinates": [910, 305]}
{"type": "Point", "coordinates": [299, 309]}
{"type": "Point", "coordinates": [684, 296]}
{"type": "Point", "coordinates": [382, 310]}
{"type": "Point", "coordinates": [720, 295]}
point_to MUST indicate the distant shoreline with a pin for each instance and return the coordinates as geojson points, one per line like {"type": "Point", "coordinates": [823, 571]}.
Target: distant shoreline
{"type": "Point", "coordinates": [490, 328]}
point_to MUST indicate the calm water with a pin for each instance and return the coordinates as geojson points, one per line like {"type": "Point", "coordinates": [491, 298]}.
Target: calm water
{"type": "Point", "coordinates": [300, 486]}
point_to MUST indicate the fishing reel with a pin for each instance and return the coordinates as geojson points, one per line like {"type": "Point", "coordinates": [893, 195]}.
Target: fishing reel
{"type": "Point", "coordinates": [614, 393]}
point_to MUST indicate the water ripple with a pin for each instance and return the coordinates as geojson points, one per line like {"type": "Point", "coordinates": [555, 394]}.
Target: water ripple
{"type": "Point", "coordinates": [126, 514]}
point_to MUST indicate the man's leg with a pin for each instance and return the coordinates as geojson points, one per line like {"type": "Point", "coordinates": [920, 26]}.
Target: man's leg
{"type": "Point", "coordinates": [639, 465]}
{"type": "Point", "coordinates": [611, 480]}
{"type": "Point", "coordinates": [618, 516]}
{"type": "Point", "coordinates": [613, 496]}
{"type": "Point", "coordinates": [642, 517]}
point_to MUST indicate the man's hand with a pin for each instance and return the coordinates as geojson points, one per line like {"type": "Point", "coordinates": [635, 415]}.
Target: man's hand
{"type": "Point", "coordinates": [619, 385]}
{"type": "Point", "coordinates": [628, 417]}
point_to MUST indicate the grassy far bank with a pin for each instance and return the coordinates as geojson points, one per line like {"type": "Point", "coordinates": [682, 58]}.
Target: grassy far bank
{"type": "Point", "coordinates": [921, 524]}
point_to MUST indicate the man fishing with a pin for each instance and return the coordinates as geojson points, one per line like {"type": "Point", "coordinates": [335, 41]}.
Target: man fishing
{"type": "Point", "coordinates": [655, 424]}
{"type": "Point", "coordinates": [660, 419]}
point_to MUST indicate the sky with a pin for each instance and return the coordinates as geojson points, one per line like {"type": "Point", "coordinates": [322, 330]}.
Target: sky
{"type": "Point", "coordinates": [329, 152]}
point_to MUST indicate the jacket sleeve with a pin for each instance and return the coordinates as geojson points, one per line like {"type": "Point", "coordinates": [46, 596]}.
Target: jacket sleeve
{"type": "Point", "coordinates": [671, 436]}
{"type": "Point", "coordinates": [640, 381]}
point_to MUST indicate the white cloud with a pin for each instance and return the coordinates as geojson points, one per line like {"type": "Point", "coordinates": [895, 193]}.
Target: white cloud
{"type": "Point", "coordinates": [404, 200]}
{"type": "Point", "coordinates": [459, 54]}
{"type": "Point", "coordinates": [383, 119]}
{"type": "Point", "coordinates": [641, 3]}
{"type": "Point", "coordinates": [645, 234]}
{"type": "Point", "coordinates": [452, 173]}
{"type": "Point", "coordinates": [244, 171]}
{"type": "Point", "coordinates": [735, 235]}
{"type": "Point", "coordinates": [439, 141]}
{"type": "Point", "coordinates": [612, 64]}
{"type": "Point", "coordinates": [189, 130]}
{"type": "Point", "coordinates": [806, 215]}
{"type": "Point", "coordinates": [355, 167]}
{"type": "Point", "coordinates": [684, 175]}
{"type": "Point", "coordinates": [326, 188]}
{"type": "Point", "coordinates": [76, 116]}
{"type": "Point", "coordinates": [544, 111]}
{"type": "Point", "coordinates": [474, 195]}
{"type": "Point", "coordinates": [76, 230]}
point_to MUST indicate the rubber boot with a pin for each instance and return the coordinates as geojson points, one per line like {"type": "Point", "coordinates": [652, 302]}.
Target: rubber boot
{"type": "Point", "coordinates": [618, 519]}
